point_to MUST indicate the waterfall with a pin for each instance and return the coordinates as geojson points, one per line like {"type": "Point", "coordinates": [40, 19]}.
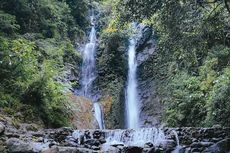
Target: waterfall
{"type": "Point", "coordinates": [131, 91]}
{"type": "Point", "coordinates": [178, 147]}
{"type": "Point", "coordinates": [99, 115]}
{"type": "Point", "coordinates": [127, 137]}
{"type": "Point", "coordinates": [136, 137]}
{"type": "Point", "coordinates": [88, 67]}
{"type": "Point", "coordinates": [89, 73]}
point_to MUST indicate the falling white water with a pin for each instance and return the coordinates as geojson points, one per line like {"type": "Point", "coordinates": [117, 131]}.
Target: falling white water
{"type": "Point", "coordinates": [89, 72]}
{"type": "Point", "coordinates": [177, 138]}
{"type": "Point", "coordinates": [178, 147]}
{"type": "Point", "coordinates": [128, 137]}
{"type": "Point", "coordinates": [137, 137]}
{"type": "Point", "coordinates": [131, 91]}
{"type": "Point", "coordinates": [99, 115]}
{"type": "Point", "coordinates": [88, 67]}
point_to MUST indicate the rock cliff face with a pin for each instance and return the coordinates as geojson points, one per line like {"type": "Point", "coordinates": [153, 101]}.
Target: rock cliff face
{"type": "Point", "coordinates": [112, 69]}
{"type": "Point", "coordinates": [151, 107]}
{"type": "Point", "coordinates": [110, 82]}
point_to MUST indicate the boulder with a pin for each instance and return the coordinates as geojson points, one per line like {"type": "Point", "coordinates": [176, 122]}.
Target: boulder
{"type": "Point", "coordinates": [68, 150]}
{"type": "Point", "coordinates": [144, 35]}
{"type": "Point", "coordinates": [16, 146]}
{"type": "Point", "coordinates": [111, 149]}
{"type": "Point", "coordinates": [97, 134]}
{"type": "Point", "coordinates": [2, 128]}
{"type": "Point", "coordinates": [51, 150]}
{"type": "Point", "coordinates": [149, 150]}
{"type": "Point", "coordinates": [56, 149]}
{"type": "Point", "coordinates": [171, 144]}
{"type": "Point", "coordinates": [219, 147]}
{"type": "Point", "coordinates": [61, 134]}
{"type": "Point", "coordinates": [93, 142]}
{"type": "Point", "coordinates": [148, 145]}
{"type": "Point", "coordinates": [132, 149]}
{"type": "Point", "coordinates": [28, 127]}
{"type": "Point", "coordinates": [95, 148]}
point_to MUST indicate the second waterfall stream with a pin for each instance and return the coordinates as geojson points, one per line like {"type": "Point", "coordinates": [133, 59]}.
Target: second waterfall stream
{"type": "Point", "coordinates": [132, 111]}
{"type": "Point", "coordinates": [89, 73]}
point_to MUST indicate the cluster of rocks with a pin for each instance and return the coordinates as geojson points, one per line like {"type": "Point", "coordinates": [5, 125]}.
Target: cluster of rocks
{"type": "Point", "coordinates": [95, 140]}
{"type": "Point", "coordinates": [207, 140]}
{"type": "Point", "coordinates": [31, 140]}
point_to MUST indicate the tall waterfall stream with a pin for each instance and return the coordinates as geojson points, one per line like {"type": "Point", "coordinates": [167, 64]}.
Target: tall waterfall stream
{"type": "Point", "coordinates": [89, 73]}
{"type": "Point", "coordinates": [132, 111]}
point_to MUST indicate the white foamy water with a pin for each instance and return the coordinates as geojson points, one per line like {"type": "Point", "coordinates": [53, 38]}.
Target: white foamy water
{"type": "Point", "coordinates": [137, 137]}
{"type": "Point", "coordinates": [99, 115]}
{"type": "Point", "coordinates": [178, 147]}
{"type": "Point", "coordinates": [88, 67]}
{"type": "Point", "coordinates": [89, 72]}
{"type": "Point", "coordinates": [132, 110]}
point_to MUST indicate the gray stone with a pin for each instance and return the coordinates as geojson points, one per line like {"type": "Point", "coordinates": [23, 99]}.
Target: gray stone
{"type": "Point", "coordinates": [132, 149]}
{"type": "Point", "coordinates": [149, 150]}
{"type": "Point", "coordinates": [2, 128]}
{"type": "Point", "coordinates": [102, 141]}
{"type": "Point", "coordinates": [171, 144]}
{"type": "Point", "coordinates": [92, 142]}
{"type": "Point", "coordinates": [196, 150]}
{"type": "Point", "coordinates": [220, 147]}
{"type": "Point", "coordinates": [16, 146]}
{"type": "Point", "coordinates": [28, 127]}
{"type": "Point", "coordinates": [148, 145]}
{"type": "Point", "coordinates": [95, 148]}
{"type": "Point", "coordinates": [51, 150]}
{"type": "Point", "coordinates": [206, 144]}
{"type": "Point", "coordinates": [143, 37]}
{"type": "Point", "coordinates": [111, 149]}
{"type": "Point", "coordinates": [97, 134]}
{"type": "Point", "coordinates": [118, 144]}
{"type": "Point", "coordinates": [68, 150]}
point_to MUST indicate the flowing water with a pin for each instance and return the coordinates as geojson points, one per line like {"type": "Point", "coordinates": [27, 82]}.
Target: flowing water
{"type": "Point", "coordinates": [88, 67]}
{"type": "Point", "coordinates": [136, 137]}
{"type": "Point", "coordinates": [132, 111]}
{"type": "Point", "coordinates": [99, 115]}
{"type": "Point", "coordinates": [178, 147]}
{"type": "Point", "coordinates": [129, 137]}
{"type": "Point", "coordinates": [89, 73]}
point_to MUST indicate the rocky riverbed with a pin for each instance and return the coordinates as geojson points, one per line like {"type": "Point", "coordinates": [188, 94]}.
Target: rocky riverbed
{"type": "Point", "coordinates": [29, 139]}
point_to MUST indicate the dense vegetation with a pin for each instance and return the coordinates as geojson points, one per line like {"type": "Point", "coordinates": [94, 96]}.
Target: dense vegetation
{"type": "Point", "coordinates": [36, 43]}
{"type": "Point", "coordinates": [193, 75]}
{"type": "Point", "coordinates": [192, 71]}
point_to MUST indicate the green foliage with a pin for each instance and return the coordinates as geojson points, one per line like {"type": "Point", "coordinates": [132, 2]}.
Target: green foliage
{"type": "Point", "coordinates": [218, 102]}
{"type": "Point", "coordinates": [112, 68]}
{"type": "Point", "coordinates": [8, 23]}
{"type": "Point", "coordinates": [111, 56]}
{"type": "Point", "coordinates": [52, 18]}
{"type": "Point", "coordinates": [36, 44]}
{"type": "Point", "coordinates": [70, 55]}
{"type": "Point", "coordinates": [46, 94]}
{"type": "Point", "coordinates": [79, 10]}
{"type": "Point", "coordinates": [192, 60]}
{"type": "Point", "coordinates": [31, 80]}
{"type": "Point", "coordinates": [186, 101]}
